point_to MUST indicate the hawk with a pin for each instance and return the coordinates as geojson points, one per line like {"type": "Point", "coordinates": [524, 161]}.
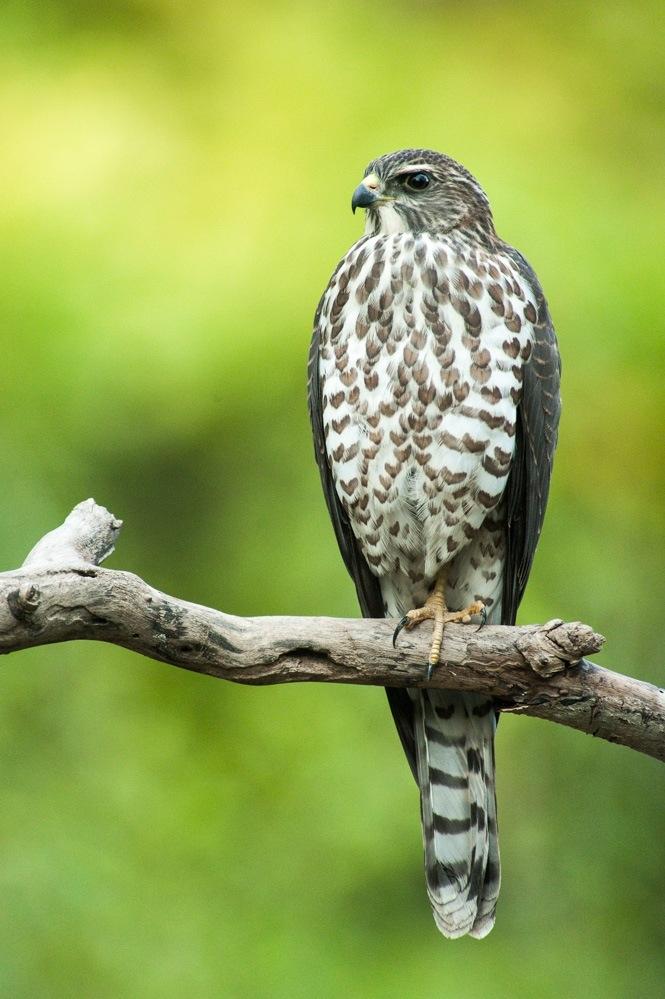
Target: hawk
{"type": "Point", "coordinates": [434, 402]}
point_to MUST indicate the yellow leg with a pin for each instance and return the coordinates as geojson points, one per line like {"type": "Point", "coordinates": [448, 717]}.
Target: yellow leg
{"type": "Point", "coordinates": [434, 609]}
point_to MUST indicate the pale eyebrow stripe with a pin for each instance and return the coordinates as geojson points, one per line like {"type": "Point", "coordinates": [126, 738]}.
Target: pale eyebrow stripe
{"type": "Point", "coordinates": [418, 166]}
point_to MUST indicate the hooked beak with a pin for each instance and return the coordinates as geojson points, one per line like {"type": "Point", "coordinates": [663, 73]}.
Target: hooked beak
{"type": "Point", "coordinates": [366, 193]}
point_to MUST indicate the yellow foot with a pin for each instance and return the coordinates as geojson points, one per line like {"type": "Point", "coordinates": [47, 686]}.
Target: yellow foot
{"type": "Point", "coordinates": [434, 609]}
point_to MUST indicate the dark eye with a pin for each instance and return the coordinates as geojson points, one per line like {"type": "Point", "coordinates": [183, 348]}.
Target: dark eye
{"type": "Point", "coordinates": [417, 181]}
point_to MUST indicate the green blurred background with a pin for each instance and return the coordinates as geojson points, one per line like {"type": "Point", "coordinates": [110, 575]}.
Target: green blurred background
{"type": "Point", "coordinates": [175, 184]}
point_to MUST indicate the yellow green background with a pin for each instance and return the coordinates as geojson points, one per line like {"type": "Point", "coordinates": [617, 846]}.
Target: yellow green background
{"type": "Point", "coordinates": [175, 181]}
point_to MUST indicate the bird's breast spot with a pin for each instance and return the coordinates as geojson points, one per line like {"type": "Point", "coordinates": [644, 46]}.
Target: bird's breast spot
{"type": "Point", "coordinates": [360, 424]}
{"type": "Point", "coordinates": [410, 489]}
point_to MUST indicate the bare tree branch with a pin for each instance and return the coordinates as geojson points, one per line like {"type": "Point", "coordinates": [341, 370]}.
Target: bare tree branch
{"type": "Point", "coordinates": [60, 594]}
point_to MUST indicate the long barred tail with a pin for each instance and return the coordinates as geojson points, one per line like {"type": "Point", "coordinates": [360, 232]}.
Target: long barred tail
{"type": "Point", "coordinates": [455, 752]}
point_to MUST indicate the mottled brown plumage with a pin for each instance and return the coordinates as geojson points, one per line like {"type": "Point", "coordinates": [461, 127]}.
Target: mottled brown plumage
{"type": "Point", "coordinates": [433, 383]}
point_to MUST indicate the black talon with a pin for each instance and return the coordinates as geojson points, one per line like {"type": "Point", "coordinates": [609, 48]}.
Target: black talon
{"type": "Point", "coordinates": [400, 627]}
{"type": "Point", "coordinates": [483, 620]}
{"type": "Point", "coordinates": [430, 670]}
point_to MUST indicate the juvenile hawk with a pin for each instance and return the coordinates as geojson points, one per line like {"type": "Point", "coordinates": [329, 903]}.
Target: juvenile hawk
{"type": "Point", "coordinates": [434, 400]}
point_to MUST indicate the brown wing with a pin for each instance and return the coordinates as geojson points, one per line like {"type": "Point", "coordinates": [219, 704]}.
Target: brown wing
{"type": "Point", "coordinates": [536, 438]}
{"type": "Point", "coordinates": [366, 583]}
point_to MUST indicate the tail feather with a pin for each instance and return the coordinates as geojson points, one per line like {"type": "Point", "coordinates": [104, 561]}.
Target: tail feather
{"type": "Point", "coordinates": [492, 881]}
{"type": "Point", "coordinates": [453, 735]}
{"type": "Point", "coordinates": [455, 753]}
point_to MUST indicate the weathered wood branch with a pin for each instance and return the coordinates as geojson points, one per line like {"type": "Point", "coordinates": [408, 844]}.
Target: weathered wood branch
{"type": "Point", "coordinates": [60, 593]}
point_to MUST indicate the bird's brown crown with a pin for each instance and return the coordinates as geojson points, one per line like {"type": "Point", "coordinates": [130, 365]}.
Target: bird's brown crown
{"type": "Point", "coordinates": [429, 191]}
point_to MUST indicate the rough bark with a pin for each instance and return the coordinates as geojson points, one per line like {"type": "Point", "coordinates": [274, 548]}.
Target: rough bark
{"type": "Point", "coordinates": [60, 593]}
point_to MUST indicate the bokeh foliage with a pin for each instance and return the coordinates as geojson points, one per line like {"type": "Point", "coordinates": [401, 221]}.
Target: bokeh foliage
{"type": "Point", "coordinates": [175, 183]}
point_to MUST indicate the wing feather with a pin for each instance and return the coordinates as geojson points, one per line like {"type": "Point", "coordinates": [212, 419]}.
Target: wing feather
{"type": "Point", "coordinates": [536, 438]}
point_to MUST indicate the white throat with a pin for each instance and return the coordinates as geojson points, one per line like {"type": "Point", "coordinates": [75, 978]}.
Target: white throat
{"type": "Point", "coordinates": [390, 221]}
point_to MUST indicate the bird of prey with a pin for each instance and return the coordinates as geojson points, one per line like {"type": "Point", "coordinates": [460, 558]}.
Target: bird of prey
{"type": "Point", "coordinates": [434, 401]}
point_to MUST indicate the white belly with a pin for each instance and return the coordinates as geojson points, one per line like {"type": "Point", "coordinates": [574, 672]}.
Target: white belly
{"type": "Point", "coordinates": [420, 393]}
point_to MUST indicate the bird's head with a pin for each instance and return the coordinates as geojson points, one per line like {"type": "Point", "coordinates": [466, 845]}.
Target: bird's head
{"type": "Point", "coordinates": [419, 190]}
